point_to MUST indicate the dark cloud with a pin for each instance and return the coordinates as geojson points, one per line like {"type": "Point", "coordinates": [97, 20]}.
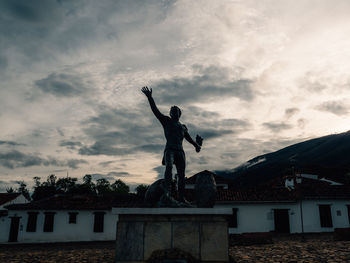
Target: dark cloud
{"type": "Point", "coordinates": [335, 107]}
{"type": "Point", "coordinates": [105, 164]}
{"type": "Point", "coordinates": [111, 176]}
{"type": "Point", "coordinates": [209, 84]}
{"type": "Point", "coordinates": [290, 112]}
{"type": "Point", "coordinates": [103, 148]}
{"type": "Point", "coordinates": [74, 163]}
{"type": "Point", "coordinates": [277, 126]}
{"type": "Point", "coordinates": [72, 145]}
{"type": "Point", "coordinates": [15, 159]}
{"type": "Point", "coordinates": [208, 133]}
{"type": "Point", "coordinates": [122, 132]}
{"type": "Point", "coordinates": [63, 85]}
{"type": "Point", "coordinates": [31, 11]}
{"type": "Point", "coordinates": [125, 131]}
{"type": "Point", "coordinates": [11, 143]}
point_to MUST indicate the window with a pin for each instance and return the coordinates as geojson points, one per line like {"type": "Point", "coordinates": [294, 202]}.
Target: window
{"type": "Point", "coordinates": [72, 218]}
{"type": "Point", "coordinates": [98, 222]}
{"type": "Point", "coordinates": [325, 215]}
{"type": "Point", "coordinates": [49, 221]}
{"type": "Point", "coordinates": [31, 223]}
{"type": "Point", "coordinates": [232, 219]}
{"type": "Point", "coordinates": [348, 213]}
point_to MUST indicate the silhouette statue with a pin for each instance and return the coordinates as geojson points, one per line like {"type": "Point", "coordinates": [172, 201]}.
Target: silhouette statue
{"type": "Point", "coordinates": [174, 133]}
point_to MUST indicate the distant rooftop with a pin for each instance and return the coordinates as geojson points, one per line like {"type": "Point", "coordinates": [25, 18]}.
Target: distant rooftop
{"type": "Point", "coordinates": [7, 197]}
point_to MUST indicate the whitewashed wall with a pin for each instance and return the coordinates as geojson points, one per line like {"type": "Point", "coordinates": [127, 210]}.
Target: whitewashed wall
{"type": "Point", "coordinates": [260, 217]}
{"type": "Point", "coordinates": [83, 230]}
{"type": "Point", "coordinates": [4, 228]}
{"type": "Point", "coordinates": [5, 222]}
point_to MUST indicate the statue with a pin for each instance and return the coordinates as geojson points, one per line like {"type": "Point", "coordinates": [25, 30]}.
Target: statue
{"type": "Point", "coordinates": [174, 133]}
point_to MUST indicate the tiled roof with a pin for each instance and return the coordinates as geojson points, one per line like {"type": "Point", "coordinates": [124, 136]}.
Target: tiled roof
{"type": "Point", "coordinates": [80, 202]}
{"type": "Point", "coordinates": [218, 179]}
{"type": "Point", "coordinates": [7, 197]}
{"type": "Point", "coordinates": [272, 191]}
{"type": "Point", "coordinates": [275, 190]}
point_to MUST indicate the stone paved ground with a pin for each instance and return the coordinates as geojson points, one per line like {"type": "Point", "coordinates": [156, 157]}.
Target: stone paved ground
{"type": "Point", "coordinates": [287, 249]}
{"type": "Point", "coordinates": [319, 251]}
{"type": "Point", "coordinates": [59, 252]}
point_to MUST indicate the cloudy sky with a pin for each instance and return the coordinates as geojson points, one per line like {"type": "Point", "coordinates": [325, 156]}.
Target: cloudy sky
{"type": "Point", "coordinates": [250, 77]}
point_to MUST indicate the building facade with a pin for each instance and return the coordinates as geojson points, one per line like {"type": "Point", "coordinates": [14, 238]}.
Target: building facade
{"type": "Point", "coordinates": [303, 205]}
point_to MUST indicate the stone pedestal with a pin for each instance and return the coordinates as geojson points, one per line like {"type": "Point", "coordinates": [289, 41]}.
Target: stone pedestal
{"type": "Point", "coordinates": [202, 232]}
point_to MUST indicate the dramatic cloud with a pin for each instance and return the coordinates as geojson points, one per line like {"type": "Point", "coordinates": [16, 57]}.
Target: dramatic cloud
{"type": "Point", "coordinates": [277, 126]}
{"type": "Point", "coordinates": [63, 85]}
{"type": "Point", "coordinates": [335, 107]}
{"type": "Point", "coordinates": [15, 159]}
{"type": "Point", "coordinates": [208, 84]}
{"type": "Point", "coordinates": [258, 76]}
{"type": "Point", "coordinates": [72, 145]}
{"type": "Point", "coordinates": [11, 143]}
{"type": "Point", "coordinates": [111, 176]}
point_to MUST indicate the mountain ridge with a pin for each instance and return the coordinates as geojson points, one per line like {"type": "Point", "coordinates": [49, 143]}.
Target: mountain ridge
{"type": "Point", "coordinates": [327, 156]}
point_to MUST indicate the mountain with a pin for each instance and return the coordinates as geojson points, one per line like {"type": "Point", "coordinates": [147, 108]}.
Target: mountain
{"type": "Point", "coordinates": [327, 156]}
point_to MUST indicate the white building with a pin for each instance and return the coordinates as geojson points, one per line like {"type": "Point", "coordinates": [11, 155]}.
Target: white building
{"type": "Point", "coordinates": [6, 221]}
{"type": "Point", "coordinates": [310, 206]}
{"type": "Point", "coordinates": [63, 219]}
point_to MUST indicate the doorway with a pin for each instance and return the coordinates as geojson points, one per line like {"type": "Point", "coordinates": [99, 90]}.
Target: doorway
{"type": "Point", "coordinates": [281, 217]}
{"type": "Point", "coordinates": [14, 229]}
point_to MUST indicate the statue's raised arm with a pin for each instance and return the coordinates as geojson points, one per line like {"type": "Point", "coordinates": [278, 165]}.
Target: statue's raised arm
{"type": "Point", "coordinates": [154, 108]}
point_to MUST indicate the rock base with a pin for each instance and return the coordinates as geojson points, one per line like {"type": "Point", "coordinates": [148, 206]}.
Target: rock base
{"type": "Point", "coordinates": [202, 233]}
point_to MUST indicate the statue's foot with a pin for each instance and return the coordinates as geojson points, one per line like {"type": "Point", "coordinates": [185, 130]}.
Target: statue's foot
{"type": "Point", "coordinates": [168, 201]}
{"type": "Point", "coordinates": [185, 203]}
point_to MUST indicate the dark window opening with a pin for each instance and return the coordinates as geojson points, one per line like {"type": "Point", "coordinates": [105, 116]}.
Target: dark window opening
{"type": "Point", "coordinates": [281, 218]}
{"type": "Point", "coordinates": [49, 221]}
{"type": "Point", "coordinates": [325, 216]}
{"type": "Point", "coordinates": [232, 219]}
{"type": "Point", "coordinates": [73, 218]}
{"type": "Point", "coordinates": [31, 223]}
{"type": "Point", "coordinates": [98, 222]}
{"type": "Point", "coordinates": [348, 213]}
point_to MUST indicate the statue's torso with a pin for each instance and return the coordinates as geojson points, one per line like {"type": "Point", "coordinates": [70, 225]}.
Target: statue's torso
{"type": "Point", "coordinates": [174, 133]}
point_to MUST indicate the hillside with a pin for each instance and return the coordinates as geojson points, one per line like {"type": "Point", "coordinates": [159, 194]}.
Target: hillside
{"type": "Point", "coordinates": [326, 156]}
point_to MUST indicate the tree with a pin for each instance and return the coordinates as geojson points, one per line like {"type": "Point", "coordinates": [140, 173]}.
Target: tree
{"type": "Point", "coordinates": [45, 189]}
{"type": "Point", "coordinates": [141, 190]}
{"type": "Point", "coordinates": [66, 184]}
{"type": "Point", "coordinates": [23, 190]}
{"type": "Point", "coordinates": [120, 187]}
{"type": "Point", "coordinates": [10, 190]}
{"type": "Point", "coordinates": [103, 186]}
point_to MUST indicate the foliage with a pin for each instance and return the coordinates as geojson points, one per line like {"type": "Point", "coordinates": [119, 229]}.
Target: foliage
{"type": "Point", "coordinates": [69, 185]}
{"type": "Point", "coordinates": [120, 187]}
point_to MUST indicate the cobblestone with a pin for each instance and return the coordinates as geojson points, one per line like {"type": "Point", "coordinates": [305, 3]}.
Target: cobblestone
{"type": "Point", "coordinates": [314, 250]}
{"type": "Point", "coordinates": [283, 250]}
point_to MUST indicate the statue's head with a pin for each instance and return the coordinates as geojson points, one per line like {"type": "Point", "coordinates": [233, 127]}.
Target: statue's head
{"type": "Point", "coordinates": [175, 112]}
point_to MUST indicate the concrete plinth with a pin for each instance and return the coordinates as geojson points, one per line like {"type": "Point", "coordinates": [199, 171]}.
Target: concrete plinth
{"type": "Point", "coordinates": [202, 232]}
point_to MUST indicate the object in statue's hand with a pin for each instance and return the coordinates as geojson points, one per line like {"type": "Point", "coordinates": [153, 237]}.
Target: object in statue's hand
{"type": "Point", "coordinates": [199, 140]}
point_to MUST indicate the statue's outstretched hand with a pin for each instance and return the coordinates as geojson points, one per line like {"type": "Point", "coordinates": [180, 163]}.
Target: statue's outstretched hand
{"type": "Point", "coordinates": [147, 92]}
{"type": "Point", "coordinates": [199, 141]}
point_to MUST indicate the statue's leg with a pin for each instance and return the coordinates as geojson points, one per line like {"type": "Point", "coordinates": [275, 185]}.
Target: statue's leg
{"type": "Point", "coordinates": [180, 163]}
{"type": "Point", "coordinates": [169, 160]}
